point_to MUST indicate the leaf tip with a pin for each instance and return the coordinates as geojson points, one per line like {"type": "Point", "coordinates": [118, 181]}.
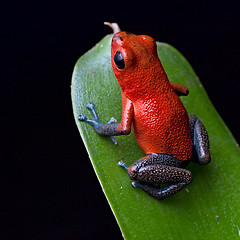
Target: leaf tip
{"type": "Point", "coordinates": [113, 26]}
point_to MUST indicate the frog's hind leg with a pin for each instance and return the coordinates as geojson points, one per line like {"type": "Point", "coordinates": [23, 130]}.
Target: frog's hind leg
{"type": "Point", "coordinates": [156, 169]}
{"type": "Point", "coordinates": [200, 141]}
{"type": "Point", "coordinates": [160, 193]}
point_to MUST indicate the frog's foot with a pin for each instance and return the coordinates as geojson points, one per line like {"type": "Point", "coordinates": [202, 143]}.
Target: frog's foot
{"type": "Point", "coordinates": [97, 124]}
{"type": "Point", "coordinates": [93, 123]}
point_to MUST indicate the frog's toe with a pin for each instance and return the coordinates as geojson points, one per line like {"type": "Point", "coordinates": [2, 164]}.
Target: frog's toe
{"type": "Point", "coordinates": [113, 140]}
{"type": "Point", "coordinates": [81, 117]}
{"type": "Point", "coordinates": [90, 105]}
{"type": "Point", "coordinates": [123, 164]}
{"type": "Point", "coordinates": [136, 185]}
{"type": "Point", "coordinates": [112, 120]}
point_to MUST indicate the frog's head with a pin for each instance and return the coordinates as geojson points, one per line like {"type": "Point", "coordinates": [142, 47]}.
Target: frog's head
{"type": "Point", "coordinates": [134, 60]}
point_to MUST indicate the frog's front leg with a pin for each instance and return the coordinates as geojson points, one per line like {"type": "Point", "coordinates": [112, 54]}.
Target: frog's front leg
{"type": "Point", "coordinates": [200, 141]}
{"type": "Point", "coordinates": [98, 125]}
{"type": "Point", "coordinates": [158, 169]}
{"type": "Point", "coordinates": [111, 128]}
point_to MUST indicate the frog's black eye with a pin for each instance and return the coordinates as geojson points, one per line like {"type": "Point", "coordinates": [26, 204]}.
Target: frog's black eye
{"type": "Point", "coordinates": [119, 60]}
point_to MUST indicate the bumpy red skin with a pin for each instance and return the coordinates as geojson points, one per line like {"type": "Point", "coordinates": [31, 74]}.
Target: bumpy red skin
{"type": "Point", "coordinates": [149, 102]}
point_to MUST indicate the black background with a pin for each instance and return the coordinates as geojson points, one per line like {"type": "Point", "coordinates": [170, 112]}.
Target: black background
{"type": "Point", "coordinates": [53, 188]}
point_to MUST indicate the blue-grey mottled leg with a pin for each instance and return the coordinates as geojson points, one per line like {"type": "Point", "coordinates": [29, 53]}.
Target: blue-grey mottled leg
{"type": "Point", "coordinates": [107, 129]}
{"type": "Point", "coordinates": [160, 193]}
{"type": "Point", "coordinates": [158, 169]}
{"type": "Point", "coordinates": [200, 141]}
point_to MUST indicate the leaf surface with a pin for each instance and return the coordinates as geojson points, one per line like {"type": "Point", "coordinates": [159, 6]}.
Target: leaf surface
{"type": "Point", "coordinates": [209, 208]}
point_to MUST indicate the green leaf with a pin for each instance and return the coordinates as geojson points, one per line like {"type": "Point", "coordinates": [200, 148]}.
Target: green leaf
{"type": "Point", "coordinates": [209, 208]}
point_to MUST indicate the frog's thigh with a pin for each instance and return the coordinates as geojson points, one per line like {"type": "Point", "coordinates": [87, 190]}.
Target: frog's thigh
{"type": "Point", "coordinates": [161, 174]}
{"type": "Point", "coordinates": [200, 141]}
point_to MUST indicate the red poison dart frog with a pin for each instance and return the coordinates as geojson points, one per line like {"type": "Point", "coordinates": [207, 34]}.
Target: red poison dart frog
{"type": "Point", "coordinates": [152, 108]}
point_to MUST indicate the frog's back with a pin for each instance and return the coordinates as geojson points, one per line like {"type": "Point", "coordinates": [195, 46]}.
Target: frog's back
{"type": "Point", "coordinates": [161, 125]}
